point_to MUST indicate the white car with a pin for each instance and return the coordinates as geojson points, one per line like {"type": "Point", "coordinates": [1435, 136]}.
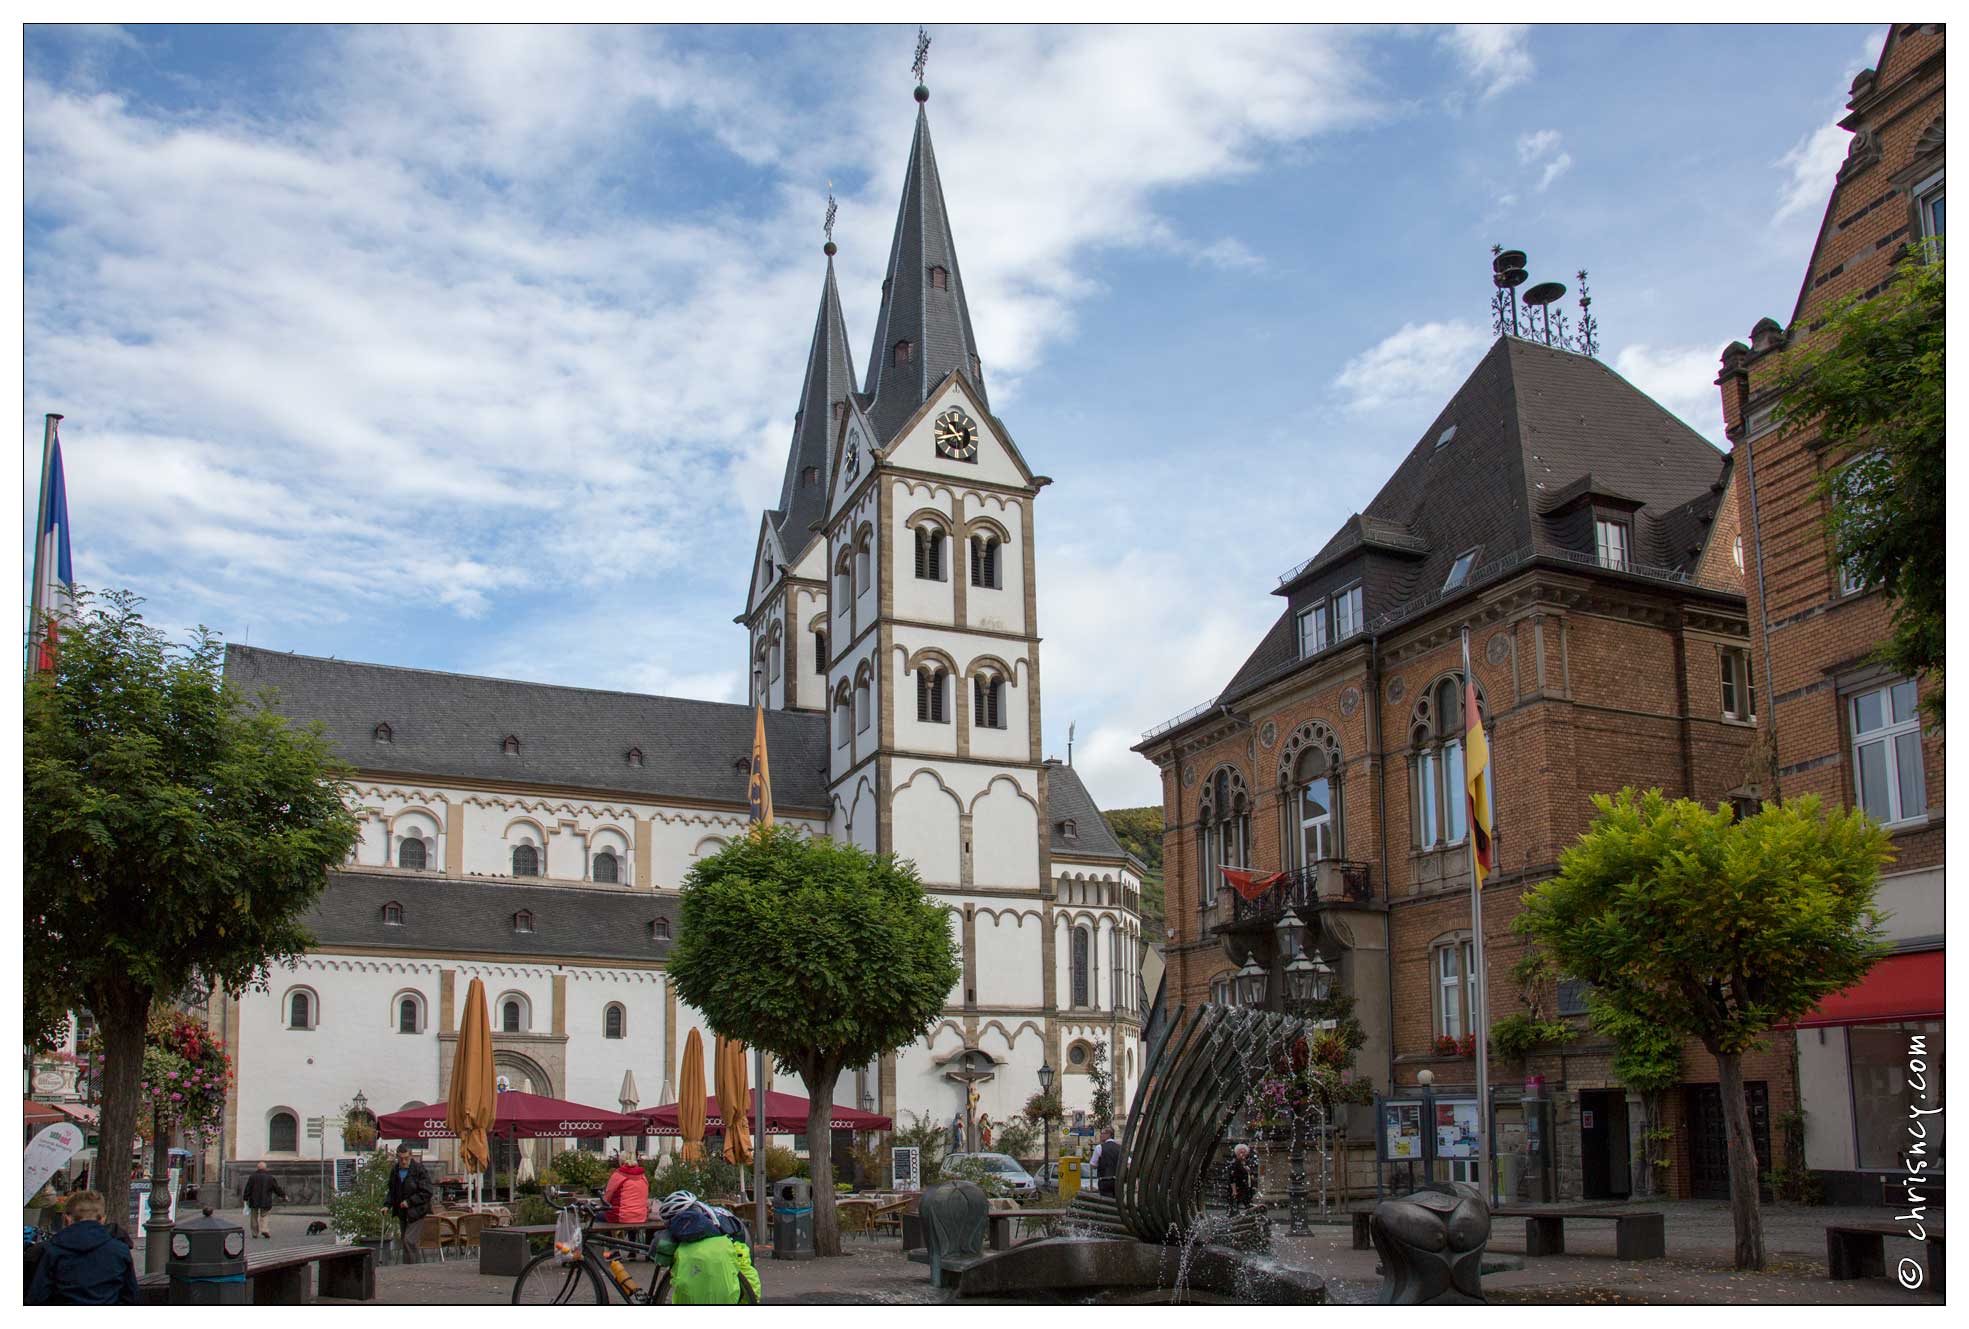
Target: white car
{"type": "Point", "coordinates": [1004, 1168]}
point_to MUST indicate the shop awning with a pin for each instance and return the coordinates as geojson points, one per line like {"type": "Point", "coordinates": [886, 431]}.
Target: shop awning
{"type": "Point", "coordinates": [1899, 987]}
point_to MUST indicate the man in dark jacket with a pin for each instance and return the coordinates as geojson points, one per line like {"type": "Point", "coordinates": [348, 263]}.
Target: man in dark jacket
{"type": "Point", "coordinates": [1107, 1161]}
{"type": "Point", "coordinates": [409, 1195]}
{"type": "Point", "coordinates": [259, 1193]}
{"type": "Point", "coordinates": [84, 1264]}
{"type": "Point", "coordinates": [1243, 1179]}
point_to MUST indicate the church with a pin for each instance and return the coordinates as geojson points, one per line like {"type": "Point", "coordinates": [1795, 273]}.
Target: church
{"type": "Point", "coordinates": [535, 836]}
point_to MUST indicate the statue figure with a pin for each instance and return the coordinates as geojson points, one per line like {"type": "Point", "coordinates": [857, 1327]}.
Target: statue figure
{"type": "Point", "coordinates": [954, 1216]}
{"type": "Point", "coordinates": [1432, 1245]}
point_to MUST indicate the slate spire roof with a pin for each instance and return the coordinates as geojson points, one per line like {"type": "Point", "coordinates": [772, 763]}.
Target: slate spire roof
{"type": "Point", "coordinates": [932, 318]}
{"type": "Point", "coordinates": [829, 381]}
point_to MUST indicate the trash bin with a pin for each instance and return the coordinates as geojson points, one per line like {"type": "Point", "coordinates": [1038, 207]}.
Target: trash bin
{"type": "Point", "coordinates": [793, 1219]}
{"type": "Point", "coordinates": [208, 1263]}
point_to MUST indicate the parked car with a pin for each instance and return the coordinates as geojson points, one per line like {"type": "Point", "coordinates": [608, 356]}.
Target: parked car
{"type": "Point", "coordinates": [1018, 1183]}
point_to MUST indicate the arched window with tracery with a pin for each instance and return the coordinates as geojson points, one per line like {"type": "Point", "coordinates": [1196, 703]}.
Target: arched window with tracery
{"type": "Point", "coordinates": [410, 853]}
{"type": "Point", "coordinates": [1224, 831]}
{"type": "Point", "coordinates": [526, 861]}
{"type": "Point", "coordinates": [1082, 945]}
{"type": "Point", "coordinates": [1439, 813]}
{"type": "Point", "coordinates": [608, 868]}
{"type": "Point", "coordinates": [1309, 802]}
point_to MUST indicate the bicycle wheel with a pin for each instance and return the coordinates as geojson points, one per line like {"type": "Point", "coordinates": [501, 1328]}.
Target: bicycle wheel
{"type": "Point", "coordinates": [547, 1282]}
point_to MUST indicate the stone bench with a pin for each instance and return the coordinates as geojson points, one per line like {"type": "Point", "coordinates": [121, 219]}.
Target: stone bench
{"type": "Point", "coordinates": [1858, 1250]}
{"type": "Point", "coordinates": [1638, 1234]}
{"type": "Point", "coordinates": [283, 1278]}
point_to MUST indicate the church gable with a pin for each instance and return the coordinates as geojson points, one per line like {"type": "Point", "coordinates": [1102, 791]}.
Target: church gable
{"type": "Point", "coordinates": [853, 460]}
{"type": "Point", "coordinates": [768, 565]}
{"type": "Point", "coordinates": [954, 434]}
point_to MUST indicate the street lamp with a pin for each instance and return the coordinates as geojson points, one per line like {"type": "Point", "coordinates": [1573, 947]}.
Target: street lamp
{"type": "Point", "coordinates": [1252, 982]}
{"type": "Point", "coordinates": [1046, 1122]}
{"type": "Point", "coordinates": [1291, 933]}
{"type": "Point", "coordinates": [360, 1104]}
{"type": "Point", "coordinates": [1308, 979]}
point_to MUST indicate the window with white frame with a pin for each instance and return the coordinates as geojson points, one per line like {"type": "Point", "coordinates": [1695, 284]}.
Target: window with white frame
{"type": "Point", "coordinates": [1614, 539]}
{"type": "Point", "coordinates": [1220, 990]}
{"type": "Point", "coordinates": [1312, 630]}
{"type": "Point", "coordinates": [1454, 965]}
{"type": "Point", "coordinates": [1887, 764]}
{"type": "Point", "coordinates": [1854, 491]}
{"type": "Point", "coordinates": [1438, 806]}
{"type": "Point", "coordinates": [1739, 692]}
{"type": "Point", "coordinates": [1224, 830]}
{"type": "Point", "coordinates": [1459, 571]}
{"type": "Point", "coordinates": [303, 1010]}
{"type": "Point", "coordinates": [1346, 613]}
{"type": "Point", "coordinates": [1928, 206]}
{"type": "Point", "coordinates": [1314, 835]}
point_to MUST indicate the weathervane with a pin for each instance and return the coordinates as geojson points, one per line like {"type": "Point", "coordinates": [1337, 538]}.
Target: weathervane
{"type": "Point", "coordinates": [828, 225]}
{"type": "Point", "coordinates": [1539, 322]}
{"type": "Point", "coordinates": [922, 54]}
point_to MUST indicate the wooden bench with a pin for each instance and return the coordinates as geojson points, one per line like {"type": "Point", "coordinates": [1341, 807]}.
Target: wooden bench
{"type": "Point", "coordinates": [282, 1277]}
{"type": "Point", "coordinates": [1001, 1223]}
{"type": "Point", "coordinates": [1637, 1234]}
{"type": "Point", "coordinates": [506, 1250]}
{"type": "Point", "coordinates": [1858, 1250]}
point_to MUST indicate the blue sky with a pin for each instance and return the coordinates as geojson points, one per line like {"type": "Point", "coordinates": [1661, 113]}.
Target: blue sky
{"type": "Point", "coordinates": [478, 348]}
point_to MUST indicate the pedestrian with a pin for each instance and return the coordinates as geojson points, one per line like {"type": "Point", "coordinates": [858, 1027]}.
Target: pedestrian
{"type": "Point", "coordinates": [1243, 1179]}
{"type": "Point", "coordinates": [704, 1247]}
{"type": "Point", "coordinates": [1107, 1161]}
{"type": "Point", "coordinates": [409, 1195]}
{"type": "Point", "coordinates": [261, 1189]}
{"type": "Point", "coordinates": [626, 1196]}
{"type": "Point", "coordinates": [85, 1264]}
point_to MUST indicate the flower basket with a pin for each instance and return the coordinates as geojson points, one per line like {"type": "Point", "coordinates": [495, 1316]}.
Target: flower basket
{"type": "Point", "coordinates": [1466, 1046]}
{"type": "Point", "coordinates": [1446, 1046]}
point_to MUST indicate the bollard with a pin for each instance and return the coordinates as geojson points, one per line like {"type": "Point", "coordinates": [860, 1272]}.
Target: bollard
{"type": "Point", "coordinates": [208, 1263]}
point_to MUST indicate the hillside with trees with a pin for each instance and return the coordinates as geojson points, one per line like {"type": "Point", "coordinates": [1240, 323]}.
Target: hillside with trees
{"type": "Point", "coordinates": [1140, 833]}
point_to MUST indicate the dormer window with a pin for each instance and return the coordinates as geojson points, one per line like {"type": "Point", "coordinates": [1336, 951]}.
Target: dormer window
{"type": "Point", "coordinates": [523, 921]}
{"type": "Point", "coordinates": [743, 766]}
{"type": "Point", "coordinates": [902, 353]}
{"type": "Point", "coordinates": [1614, 540]}
{"type": "Point", "coordinates": [809, 476]}
{"type": "Point", "coordinates": [510, 745]}
{"type": "Point", "coordinates": [939, 279]}
{"type": "Point", "coordinates": [659, 929]}
{"type": "Point", "coordinates": [384, 733]}
{"type": "Point", "coordinates": [977, 370]}
{"type": "Point", "coordinates": [1459, 571]}
{"type": "Point", "coordinates": [1442, 439]}
{"type": "Point", "coordinates": [393, 915]}
{"type": "Point", "coordinates": [840, 411]}
{"type": "Point", "coordinates": [1069, 829]}
{"type": "Point", "coordinates": [635, 756]}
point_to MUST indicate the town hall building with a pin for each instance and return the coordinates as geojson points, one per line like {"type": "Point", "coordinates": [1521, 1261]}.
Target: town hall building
{"type": "Point", "coordinates": [535, 836]}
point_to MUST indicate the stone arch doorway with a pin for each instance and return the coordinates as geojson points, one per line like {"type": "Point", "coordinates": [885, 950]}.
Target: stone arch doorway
{"type": "Point", "coordinates": [514, 1072]}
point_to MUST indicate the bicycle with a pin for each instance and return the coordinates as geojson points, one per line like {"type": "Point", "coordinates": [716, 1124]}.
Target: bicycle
{"type": "Point", "coordinates": [551, 1279]}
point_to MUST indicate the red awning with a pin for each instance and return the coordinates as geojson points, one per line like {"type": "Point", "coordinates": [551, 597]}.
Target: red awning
{"type": "Point", "coordinates": [786, 1114]}
{"type": "Point", "coordinates": [1899, 987]}
{"type": "Point", "coordinates": [515, 1116]}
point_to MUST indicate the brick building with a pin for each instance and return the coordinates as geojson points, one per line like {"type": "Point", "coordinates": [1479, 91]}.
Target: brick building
{"type": "Point", "coordinates": [1586, 538]}
{"type": "Point", "coordinates": [1837, 725]}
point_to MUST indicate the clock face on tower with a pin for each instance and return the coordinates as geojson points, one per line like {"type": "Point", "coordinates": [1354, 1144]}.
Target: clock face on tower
{"type": "Point", "coordinates": [853, 459]}
{"type": "Point", "coordinates": [957, 435]}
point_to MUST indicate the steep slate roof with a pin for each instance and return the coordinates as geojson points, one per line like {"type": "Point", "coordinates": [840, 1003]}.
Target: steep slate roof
{"type": "Point", "coordinates": [1532, 425]}
{"type": "Point", "coordinates": [830, 379]}
{"type": "Point", "coordinates": [453, 726]}
{"type": "Point", "coordinates": [1067, 799]}
{"type": "Point", "coordinates": [936, 323]}
{"type": "Point", "coordinates": [476, 915]}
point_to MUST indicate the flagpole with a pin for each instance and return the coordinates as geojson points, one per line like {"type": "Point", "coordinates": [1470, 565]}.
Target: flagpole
{"type": "Point", "coordinates": [36, 607]}
{"type": "Point", "coordinates": [1480, 1017]}
{"type": "Point", "coordinates": [759, 1147]}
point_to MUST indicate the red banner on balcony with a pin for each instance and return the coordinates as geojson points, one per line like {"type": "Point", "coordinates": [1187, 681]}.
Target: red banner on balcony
{"type": "Point", "coordinates": [1247, 882]}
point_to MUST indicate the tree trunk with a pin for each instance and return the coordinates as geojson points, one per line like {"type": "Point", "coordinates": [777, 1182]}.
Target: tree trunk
{"type": "Point", "coordinates": [124, 1017]}
{"type": "Point", "coordinates": [820, 1155]}
{"type": "Point", "coordinates": [1744, 1214]}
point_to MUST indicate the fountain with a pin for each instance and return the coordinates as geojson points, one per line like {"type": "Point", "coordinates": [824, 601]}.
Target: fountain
{"type": "Point", "coordinates": [1152, 1240]}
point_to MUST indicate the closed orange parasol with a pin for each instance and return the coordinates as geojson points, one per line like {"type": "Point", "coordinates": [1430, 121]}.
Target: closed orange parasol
{"type": "Point", "coordinates": [734, 1102]}
{"type": "Point", "coordinates": [690, 1098]}
{"type": "Point", "coordinates": [470, 1109]}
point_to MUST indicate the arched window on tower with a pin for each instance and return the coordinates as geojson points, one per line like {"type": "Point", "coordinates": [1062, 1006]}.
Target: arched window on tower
{"type": "Point", "coordinates": [613, 1020]}
{"type": "Point", "coordinates": [987, 702]}
{"type": "Point", "coordinates": [844, 578]}
{"type": "Point", "coordinates": [929, 552]}
{"type": "Point", "coordinates": [863, 710]}
{"type": "Point", "coordinates": [512, 1017]}
{"type": "Point", "coordinates": [939, 279]}
{"type": "Point", "coordinates": [844, 715]}
{"type": "Point", "coordinates": [984, 561]}
{"type": "Point", "coordinates": [864, 564]}
{"type": "Point", "coordinates": [930, 689]}
{"type": "Point", "coordinates": [902, 353]}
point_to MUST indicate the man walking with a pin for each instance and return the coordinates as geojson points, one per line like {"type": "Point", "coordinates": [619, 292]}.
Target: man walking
{"type": "Point", "coordinates": [409, 1195]}
{"type": "Point", "coordinates": [262, 1188]}
{"type": "Point", "coordinates": [1107, 1161]}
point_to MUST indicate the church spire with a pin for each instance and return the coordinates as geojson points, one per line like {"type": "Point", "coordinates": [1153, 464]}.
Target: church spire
{"type": "Point", "coordinates": [824, 393]}
{"type": "Point", "coordinates": [924, 328]}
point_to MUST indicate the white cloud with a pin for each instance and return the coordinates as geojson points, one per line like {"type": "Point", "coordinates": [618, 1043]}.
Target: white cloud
{"type": "Point", "coordinates": [1811, 166]}
{"type": "Point", "coordinates": [1496, 56]}
{"type": "Point", "coordinates": [1535, 145]}
{"type": "Point", "coordinates": [1555, 168]}
{"type": "Point", "coordinates": [1230, 254]}
{"type": "Point", "coordinates": [1415, 367]}
{"type": "Point", "coordinates": [1682, 379]}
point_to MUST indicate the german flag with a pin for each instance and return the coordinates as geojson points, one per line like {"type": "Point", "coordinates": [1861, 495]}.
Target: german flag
{"type": "Point", "coordinates": [1476, 768]}
{"type": "Point", "coordinates": [759, 793]}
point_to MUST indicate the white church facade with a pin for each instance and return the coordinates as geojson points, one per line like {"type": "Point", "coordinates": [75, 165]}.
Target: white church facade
{"type": "Point", "coordinates": [535, 836]}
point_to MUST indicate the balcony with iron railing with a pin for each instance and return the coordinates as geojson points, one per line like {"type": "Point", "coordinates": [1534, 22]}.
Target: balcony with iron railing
{"type": "Point", "coordinates": [1329, 883]}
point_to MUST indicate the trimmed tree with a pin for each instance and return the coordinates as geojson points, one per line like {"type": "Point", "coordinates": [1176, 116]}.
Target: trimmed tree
{"type": "Point", "coordinates": [822, 954]}
{"type": "Point", "coordinates": [173, 837]}
{"type": "Point", "coordinates": [1871, 378]}
{"type": "Point", "coordinates": [1700, 926]}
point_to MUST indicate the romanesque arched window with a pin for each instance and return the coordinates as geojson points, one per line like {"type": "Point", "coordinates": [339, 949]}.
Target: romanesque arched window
{"type": "Point", "coordinates": [932, 686]}
{"type": "Point", "coordinates": [984, 561]}
{"type": "Point", "coordinates": [844, 714]}
{"type": "Point", "coordinates": [1223, 831]}
{"type": "Point", "coordinates": [864, 712]}
{"type": "Point", "coordinates": [607, 867]}
{"type": "Point", "coordinates": [988, 702]}
{"type": "Point", "coordinates": [283, 1132]}
{"type": "Point", "coordinates": [526, 861]}
{"type": "Point", "coordinates": [1082, 945]}
{"type": "Point", "coordinates": [410, 1014]}
{"type": "Point", "coordinates": [1438, 811]}
{"type": "Point", "coordinates": [820, 648]}
{"type": "Point", "coordinates": [929, 552]}
{"type": "Point", "coordinates": [410, 852]}
{"type": "Point", "coordinates": [613, 1020]}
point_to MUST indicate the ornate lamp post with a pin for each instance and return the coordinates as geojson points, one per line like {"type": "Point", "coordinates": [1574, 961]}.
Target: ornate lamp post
{"type": "Point", "coordinates": [1308, 979]}
{"type": "Point", "coordinates": [1252, 982]}
{"type": "Point", "coordinates": [1046, 1122]}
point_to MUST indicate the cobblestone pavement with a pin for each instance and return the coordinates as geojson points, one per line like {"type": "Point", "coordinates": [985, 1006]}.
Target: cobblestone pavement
{"type": "Point", "coordinates": [1696, 1272]}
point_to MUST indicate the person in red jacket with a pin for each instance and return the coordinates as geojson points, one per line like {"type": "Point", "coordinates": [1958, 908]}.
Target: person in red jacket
{"type": "Point", "coordinates": [627, 1193]}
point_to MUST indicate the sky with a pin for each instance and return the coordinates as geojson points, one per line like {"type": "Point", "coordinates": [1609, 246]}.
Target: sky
{"type": "Point", "coordinates": [478, 348]}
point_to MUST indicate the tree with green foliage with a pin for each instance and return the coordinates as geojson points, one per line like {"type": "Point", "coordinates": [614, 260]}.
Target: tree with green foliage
{"type": "Point", "coordinates": [1708, 927]}
{"type": "Point", "coordinates": [1870, 378]}
{"type": "Point", "coordinates": [173, 833]}
{"type": "Point", "coordinates": [1101, 1106]}
{"type": "Point", "coordinates": [1140, 832]}
{"type": "Point", "coordinates": [820, 953]}
{"type": "Point", "coordinates": [1647, 1058]}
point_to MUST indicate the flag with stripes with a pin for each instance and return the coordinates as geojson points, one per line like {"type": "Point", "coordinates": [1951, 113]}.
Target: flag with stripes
{"type": "Point", "coordinates": [53, 596]}
{"type": "Point", "coordinates": [1476, 765]}
{"type": "Point", "coordinates": [759, 793]}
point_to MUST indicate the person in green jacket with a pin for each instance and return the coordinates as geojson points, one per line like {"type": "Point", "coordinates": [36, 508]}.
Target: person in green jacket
{"type": "Point", "coordinates": [707, 1267]}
